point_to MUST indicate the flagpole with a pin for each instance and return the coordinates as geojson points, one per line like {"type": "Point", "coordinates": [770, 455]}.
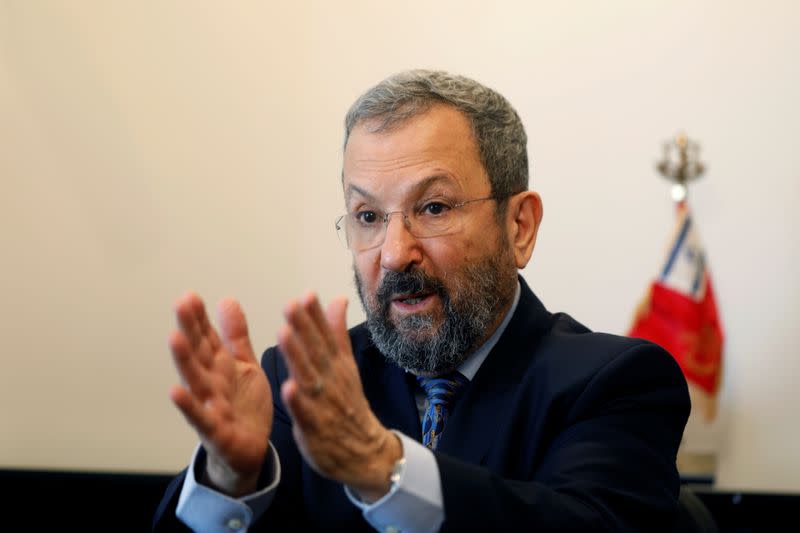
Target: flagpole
{"type": "Point", "coordinates": [679, 313]}
{"type": "Point", "coordinates": [680, 165]}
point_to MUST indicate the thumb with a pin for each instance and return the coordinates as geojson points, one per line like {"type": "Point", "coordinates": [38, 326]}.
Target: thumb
{"type": "Point", "coordinates": [233, 327]}
{"type": "Point", "coordinates": [336, 313]}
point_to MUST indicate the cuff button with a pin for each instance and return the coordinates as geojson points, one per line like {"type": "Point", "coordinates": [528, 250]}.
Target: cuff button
{"type": "Point", "coordinates": [235, 523]}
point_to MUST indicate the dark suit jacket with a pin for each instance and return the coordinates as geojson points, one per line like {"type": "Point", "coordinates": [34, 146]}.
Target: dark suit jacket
{"type": "Point", "coordinates": [561, 429]}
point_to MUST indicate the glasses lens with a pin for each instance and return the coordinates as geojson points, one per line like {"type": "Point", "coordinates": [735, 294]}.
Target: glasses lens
{"type": "Point", "coordinates": [360, 235]}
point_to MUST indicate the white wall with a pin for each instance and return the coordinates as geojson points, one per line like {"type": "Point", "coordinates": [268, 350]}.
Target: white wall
{"type": "Point", "coordinates": [149, 147]}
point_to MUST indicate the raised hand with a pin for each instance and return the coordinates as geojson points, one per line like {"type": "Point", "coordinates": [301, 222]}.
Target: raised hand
{"type": "Point", "coordinates": [225, 394]}
{"type": "Point", "coordinates": [335, 429]}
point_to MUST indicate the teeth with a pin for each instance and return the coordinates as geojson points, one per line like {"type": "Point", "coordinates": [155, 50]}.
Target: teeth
{"type": "Point", "coordinates": [412, 300]}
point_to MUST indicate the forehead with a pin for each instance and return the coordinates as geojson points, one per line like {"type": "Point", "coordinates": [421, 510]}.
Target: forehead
{"type": "Point", "coordinates": [437, 144]}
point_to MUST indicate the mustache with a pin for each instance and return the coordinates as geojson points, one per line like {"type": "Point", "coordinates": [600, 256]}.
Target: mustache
{"type": "Point", "coordinates": [413, 282]}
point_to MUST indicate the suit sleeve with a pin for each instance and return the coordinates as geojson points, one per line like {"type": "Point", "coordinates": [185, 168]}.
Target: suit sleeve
{"type": "Point", "coordinates": [164, 519]}
{"type": "Point", "coordinates": [610, 467]}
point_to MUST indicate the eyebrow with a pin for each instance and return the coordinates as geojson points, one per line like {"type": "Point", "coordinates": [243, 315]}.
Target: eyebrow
{"type": "Point", "coordinates": [416, 188]}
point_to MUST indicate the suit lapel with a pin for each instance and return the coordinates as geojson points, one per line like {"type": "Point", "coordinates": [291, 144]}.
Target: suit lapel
{"type": "Point", "coordinates": [492, 391]}
{"type": "Point", "coordinates": [390, 392]}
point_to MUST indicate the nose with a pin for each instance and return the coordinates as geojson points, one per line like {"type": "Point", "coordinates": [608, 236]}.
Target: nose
{"type": "Point", "coordinates": [400, 249]}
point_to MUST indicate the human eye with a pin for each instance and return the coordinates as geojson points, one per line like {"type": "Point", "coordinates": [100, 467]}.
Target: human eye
{"type": "Point", "coordinates": [435, 208]}
{"type": "Point", "coordinates": [367, 217]}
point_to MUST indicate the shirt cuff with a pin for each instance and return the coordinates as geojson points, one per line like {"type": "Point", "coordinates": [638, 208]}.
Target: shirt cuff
{"type": "Point", "coordinates": [415, 503]}
{"type": "Point", "coordinates": [204, 509]}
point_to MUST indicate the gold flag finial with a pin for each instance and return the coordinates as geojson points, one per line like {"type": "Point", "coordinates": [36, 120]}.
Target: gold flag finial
{"type": "Point", "coordinates": [681, 165]}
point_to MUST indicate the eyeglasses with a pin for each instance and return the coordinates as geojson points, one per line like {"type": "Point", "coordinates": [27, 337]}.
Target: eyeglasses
{"type": "Point", "coordinates": [366, 229]}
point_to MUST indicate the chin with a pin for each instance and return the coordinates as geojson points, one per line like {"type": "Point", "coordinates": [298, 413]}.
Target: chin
{"type": "Point", "coordinates": [418, 328]}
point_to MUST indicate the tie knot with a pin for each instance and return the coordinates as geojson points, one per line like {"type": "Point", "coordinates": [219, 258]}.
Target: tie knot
{"type": "Point", "coordinates": [442, 389]}
{"type": "Point", "coordinates": [441, 392]}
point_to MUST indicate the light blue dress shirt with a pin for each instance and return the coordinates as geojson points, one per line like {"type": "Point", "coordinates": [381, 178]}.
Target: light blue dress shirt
{"type": "Point", "coordinates": [414, 504]}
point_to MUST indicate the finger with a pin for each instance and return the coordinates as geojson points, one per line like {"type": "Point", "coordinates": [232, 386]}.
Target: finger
{"type": "Point", "coordinates": [301, 409]}
{"type": "Point", "coordinates": [233, 327]}
{"type": "Point", "coordinates": [190, 369]}
{"type": "Point", "coordinates": [295, 356]}
{"type": "Point", "coordinates": [314, 310]}
{"type": "Point", "coordinates": [337, 318]}
{"type": "Point", "coordinates": [192, 410]}
{"type": "Point", "coordinates": [188, 309]}
{"type": "Point", "coordinates": [184, 312]}
{"type": "Point", "coordinates": [206, 329]}
{"type": "Point", "coordinates": [307, 334]}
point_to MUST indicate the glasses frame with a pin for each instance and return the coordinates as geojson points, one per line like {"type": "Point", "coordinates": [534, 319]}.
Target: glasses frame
{"type": "Point", "coordinates": [341, 230]}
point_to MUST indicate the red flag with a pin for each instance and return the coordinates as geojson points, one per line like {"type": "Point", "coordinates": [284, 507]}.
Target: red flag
{"type": "Point", "coordinates": [680, 314]}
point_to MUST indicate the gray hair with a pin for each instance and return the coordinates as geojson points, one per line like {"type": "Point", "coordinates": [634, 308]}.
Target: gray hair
{"type": "Point", "coordinates": [498, 130]}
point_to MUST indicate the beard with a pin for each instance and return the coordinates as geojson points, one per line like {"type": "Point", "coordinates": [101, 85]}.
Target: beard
{"type": "Point", "coordinates": [427, 344]}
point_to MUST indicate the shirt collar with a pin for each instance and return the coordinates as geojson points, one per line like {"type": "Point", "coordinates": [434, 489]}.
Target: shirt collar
{"type": "Point", "coordinates": [471, 365]}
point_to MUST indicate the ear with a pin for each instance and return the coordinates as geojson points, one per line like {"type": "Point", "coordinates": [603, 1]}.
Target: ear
{"type": "Point", "coordinates": [523, 217]}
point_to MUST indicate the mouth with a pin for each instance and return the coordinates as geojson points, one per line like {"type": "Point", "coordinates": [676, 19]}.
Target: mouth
{"type": "Point", "coordinates": [413, 302]}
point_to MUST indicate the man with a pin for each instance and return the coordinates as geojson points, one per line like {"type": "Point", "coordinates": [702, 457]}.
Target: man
{"type": "Point", "coordinates": [545, 426]}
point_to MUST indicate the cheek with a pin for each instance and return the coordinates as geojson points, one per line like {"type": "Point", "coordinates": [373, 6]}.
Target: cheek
{"type": "Point", "coordinates": [481, 237]}
{"type": "Point", "coordinates": [451, 258]}
{"type": "Point", "coordinates": [367, 266]}
{"type": "Point", "coordinates": [446, 260]}
{"type": "Point", "coordinates": [468, 247]}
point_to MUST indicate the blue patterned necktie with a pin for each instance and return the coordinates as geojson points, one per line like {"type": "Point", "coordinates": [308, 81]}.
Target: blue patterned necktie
{"type": "Point", "coordinates": [441, 393]}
